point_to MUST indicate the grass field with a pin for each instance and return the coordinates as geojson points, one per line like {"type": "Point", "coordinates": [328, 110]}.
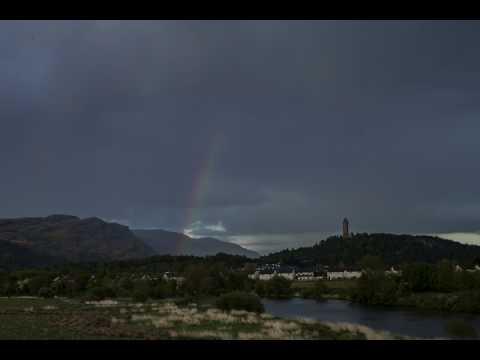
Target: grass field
{"type": "Point", "coordinates": [336, 289]}
{"type": "Point", "coordinates": [27, 318]}
{"type": "Point", "coordinates": [332, 285]}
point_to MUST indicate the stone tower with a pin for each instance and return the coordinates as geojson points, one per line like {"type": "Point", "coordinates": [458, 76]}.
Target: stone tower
{"type": "Point", "coordinates": [345, 230]}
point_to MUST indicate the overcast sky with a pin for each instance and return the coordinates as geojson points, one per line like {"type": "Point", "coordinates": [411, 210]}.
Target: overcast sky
{"type": "Point", "coordinates": [264, 133]}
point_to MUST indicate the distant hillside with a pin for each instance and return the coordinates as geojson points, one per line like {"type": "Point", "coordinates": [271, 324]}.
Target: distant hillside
{"type": "Point", "coordinates": [13, 256]}
{"type": "Point", "coordinates": [393, 249]}
{"type": "Point", "coordinates": [69, 238]}
{"type": "Point", "coordinates": [173, 243]}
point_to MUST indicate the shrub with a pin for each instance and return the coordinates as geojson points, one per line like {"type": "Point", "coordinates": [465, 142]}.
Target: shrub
{"type": "Point", "coordinates": [45, 292]}
{"type": "Point", "coordinates": [260, 288]}
{"type": "Point", "coordinates": [275, 288]}
{"type": "Point", "coordinates": [317, 291]}
{"type": "Point", "coordinates": [142, 291]}
{"type": "Point", "coordinates": [461, 329]}
{"type": "Point", "coordinates": [238, 300]}
{"type": "Point", "coordinates": [376, 288]}
{"type": "Point", "coordinates": [100, 293]}
{"type": "Point", "coordinates": [139, 296]}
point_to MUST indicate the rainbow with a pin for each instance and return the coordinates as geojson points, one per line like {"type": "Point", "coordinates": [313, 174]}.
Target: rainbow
{"type": "Point", "coordinates": [201, 180]}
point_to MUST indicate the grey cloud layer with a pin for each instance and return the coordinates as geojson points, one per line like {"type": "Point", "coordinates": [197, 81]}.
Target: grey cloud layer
{"type": "Point", "coordinates": [377, 121]}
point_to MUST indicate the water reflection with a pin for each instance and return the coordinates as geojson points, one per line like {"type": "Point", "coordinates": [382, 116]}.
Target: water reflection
{"type": "Point", "coordinates": [408, 322]}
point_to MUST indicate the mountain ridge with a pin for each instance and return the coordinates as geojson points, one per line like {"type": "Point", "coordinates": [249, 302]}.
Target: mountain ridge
{"type": "Point", "coordinates": [71, 238]}
{"type": "Point", "coordinates": [174, 243]}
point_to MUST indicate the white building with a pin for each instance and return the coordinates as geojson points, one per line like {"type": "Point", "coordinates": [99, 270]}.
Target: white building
{"type": "Point", "coordinates": [270, 274]}
{"type": "Point", "coordinates": [334, 275]}
{"type": "Point", "coordinates": [308, 276]}
{"type": "Point", "coordinates": [262, 275]}
{"type": "Point", "coordinates": [392, 271]}
{"type": "Point", "coordinates": [266, 276]}
{"type": "Point", "coordinates": [286, 275]}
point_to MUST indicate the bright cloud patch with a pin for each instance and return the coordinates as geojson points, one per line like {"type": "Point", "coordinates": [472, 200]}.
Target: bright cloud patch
{"type": "Point", "coordinates": [119, 221]}
{"type": "Point", "coordinates": [267, 243]}
{"type": "Point", "coordinates": [200, 229]}
{"type": "Point", "coordinates": [465, 238]}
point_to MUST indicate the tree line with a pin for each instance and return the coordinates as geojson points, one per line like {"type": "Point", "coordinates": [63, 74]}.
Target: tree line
{"type": "Point", "coordinates": [437, 286]}
{"type": "Point", "coordinates": [393, 249]}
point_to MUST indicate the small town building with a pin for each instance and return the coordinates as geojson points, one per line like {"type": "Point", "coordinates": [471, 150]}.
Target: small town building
{"type": "Point", "coordinates": [392, 271]}
{"type": "Point", "coordinates": [345, 274]}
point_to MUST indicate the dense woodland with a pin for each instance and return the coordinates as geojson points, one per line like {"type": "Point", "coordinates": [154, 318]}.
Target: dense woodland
{"type": "Point", "coordinates": [392, 249]}
{"type": "Point", "coordinates": [431, 286]}
{"type": "Point", "coordinates": [142, 279]}
{"type": "Point", "coordinates": [440, 286]}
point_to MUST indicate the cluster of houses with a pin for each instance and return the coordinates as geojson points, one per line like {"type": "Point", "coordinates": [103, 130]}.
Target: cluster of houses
{"type": "Point", "coordinates": [171, 276]}
{"type": "Point", "coordinates": [459, 268]}
{"type": "Point", "coordinates": [268, 271]}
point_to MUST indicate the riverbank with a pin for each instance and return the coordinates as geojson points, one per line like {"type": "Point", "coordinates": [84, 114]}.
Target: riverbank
{"type": "Point", "coordinates": [334, 289]}
{"type": "Point", "coordinates": [408, 322]}
{"type": "Point", "coordinates": [467, 302]}
{"type": "Point", "coordinates": [37, 318]}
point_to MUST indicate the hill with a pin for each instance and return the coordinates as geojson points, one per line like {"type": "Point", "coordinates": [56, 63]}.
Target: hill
{"type": "Point", "coordinates": [38, 240]}
{"type": "Point", "coordinates": [13, 256]}
{"type": "Point", "coordinates": [393, 249]}
{"type": "Point", "coordinates": [173, 243]}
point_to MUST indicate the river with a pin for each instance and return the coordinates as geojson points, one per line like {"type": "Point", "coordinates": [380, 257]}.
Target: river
{"type": "Point", "coordinates": [408, 322]}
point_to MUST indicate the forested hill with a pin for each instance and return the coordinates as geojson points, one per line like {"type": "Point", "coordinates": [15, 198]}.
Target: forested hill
{"type": "Point", "coordinates": [393, 249]}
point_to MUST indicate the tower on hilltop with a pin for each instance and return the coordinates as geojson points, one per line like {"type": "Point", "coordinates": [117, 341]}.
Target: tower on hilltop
{"type": "Point", "coordinates": [345, 229]}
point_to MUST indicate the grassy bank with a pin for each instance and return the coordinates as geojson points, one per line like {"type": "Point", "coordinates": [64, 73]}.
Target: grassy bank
{"type": "Point", "coordinates": [31, 318]}
{"type": "Point", "coordinates": [335, 289]}
{"type": "Point", "coordinates": [459, 302]}
{"type": "Point", "coordinates": [455, 302]}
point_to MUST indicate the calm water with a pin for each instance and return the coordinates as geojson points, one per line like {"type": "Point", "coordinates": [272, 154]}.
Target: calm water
{"type": "Point", "coordinates": [408, 322]}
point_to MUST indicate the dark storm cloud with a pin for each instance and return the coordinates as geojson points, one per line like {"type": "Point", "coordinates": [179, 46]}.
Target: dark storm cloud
{"type": "Point", "coordinates": [376, 121]}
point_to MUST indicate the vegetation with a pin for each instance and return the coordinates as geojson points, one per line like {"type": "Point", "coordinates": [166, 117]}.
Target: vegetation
{"type": "Point", "coordinates": [211, 276]}
{"type": "Point", "coordinates": [371, 262]}
{"type": "Point", "coordinates": [423, 285]}
{"type": "Point", "coordinates": [438, 287]}
{"type": "Point", "coordinates": [238, 300]}
{"type": "Point", "coordinates": [50, 319]}
{"type": "Point", "coordinates": [458, 328]}
{"type": "Point", "coordinates": [376, 288]}
{"type": "Point", "coordinates": [317, 291]}
{"type": "Point", "coordinates": [393, 249]}
{"type": "Point", "coordinates": [275, 288]}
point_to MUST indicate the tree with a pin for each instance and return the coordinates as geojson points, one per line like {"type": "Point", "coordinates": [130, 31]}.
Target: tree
{"type": "Point", "coordinates": [197, 281]}
{"type": "Point", "coordinates": [461, 329]}
{"type": "Point", "coordinates": [277, 288]}
{"type": "Point", "coordinates": [250, 268]}
{"type": "Point", "coordinates": [45, 292]}
{"type": "Point", "coordinates": [419, 277]}
{"type": "Point", "coordinates": [140, 295]}
{"type": "Point", "coordinates": [445, 276]}
{"type": "Point", "coordinates": [100, 293]}
{"type": "Point", "coordinates": [239, 300]}
{"type": "Point", "coordinates": [371, 262]}
{"type": "Point", "coordinates": [159, 290]}
{"type": "Point", "coordinates": [317, 291]}
{"type": "Point", "coordinates": [142, 291]}
{"type": "Point", "coordinates": [376, 288]}
{"type": "Point", "coordinates": [260, 288]}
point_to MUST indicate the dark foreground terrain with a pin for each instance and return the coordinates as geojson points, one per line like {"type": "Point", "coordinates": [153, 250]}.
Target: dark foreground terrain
{"type": "Point", "coordinates": [49, 319]}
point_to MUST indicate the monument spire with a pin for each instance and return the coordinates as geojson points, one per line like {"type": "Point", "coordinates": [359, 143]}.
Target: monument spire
{"type": "Point", "coordinates": [345, 229]}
